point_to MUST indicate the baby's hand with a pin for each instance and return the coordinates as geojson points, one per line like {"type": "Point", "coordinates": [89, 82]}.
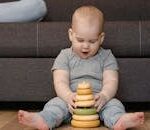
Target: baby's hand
{"type": "Point", "coordinates": [100, 101]}
{"type": "Point", "coordinates": [71, 102]}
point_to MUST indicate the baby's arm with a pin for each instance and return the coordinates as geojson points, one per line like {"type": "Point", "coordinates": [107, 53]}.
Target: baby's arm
{"type": "Point", "coordinates": [109, 89]}
{"type": "Point", "coordinates": [110, 83]}
{"type": "Point", "coordinates": [61, 84]}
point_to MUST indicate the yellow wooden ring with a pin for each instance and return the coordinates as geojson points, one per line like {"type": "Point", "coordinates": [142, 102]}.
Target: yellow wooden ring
{"type": "Point", "coordinates": [85, 117]}
{"type": "Point", "coordinates": [85, 111]}
{"type": "Point", "coordinates": [84, 97]}
{"type": "Point", "coordinates": [85, 124]}
{"type": "Point", "coordinates": [84, 85]}
{"type": "Point", "coordinates": [88, 103]}
{"type": "Point", "coordinates": [84, 91]}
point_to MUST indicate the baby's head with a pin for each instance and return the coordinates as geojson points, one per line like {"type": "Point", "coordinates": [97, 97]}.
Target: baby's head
{"type": "Point", "coordinates": [86, 32]}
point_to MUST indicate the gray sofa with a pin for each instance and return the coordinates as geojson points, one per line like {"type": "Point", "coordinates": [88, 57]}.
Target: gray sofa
{"type": "Point", "coordinates": [28, 50]}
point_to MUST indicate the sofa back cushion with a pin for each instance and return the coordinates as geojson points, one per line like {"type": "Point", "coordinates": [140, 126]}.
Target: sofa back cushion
{"type": "Point", "coordinates": [112, 9]}
{"type": "Point", "coordinates": [46, 39]}
{"type": "Point", "coordinates": [30, 79]}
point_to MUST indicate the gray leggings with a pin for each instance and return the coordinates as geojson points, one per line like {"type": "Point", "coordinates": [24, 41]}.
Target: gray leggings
{"type": "Point", "coordinates": [22, 11]}
{"type": "Point", "coordinates": [56, 111]}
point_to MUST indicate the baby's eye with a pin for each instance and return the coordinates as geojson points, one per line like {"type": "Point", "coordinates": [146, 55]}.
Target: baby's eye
{"type": "Point", "coordinates": [92, 41]}
{"type": "Point", "coordinates": [80, 40]}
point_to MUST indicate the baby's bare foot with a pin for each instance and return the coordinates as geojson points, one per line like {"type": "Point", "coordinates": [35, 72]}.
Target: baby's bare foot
{"type": "Point", "coordinates": [129, 120]}
{"type": "Point", "coordinates": [32, 120]}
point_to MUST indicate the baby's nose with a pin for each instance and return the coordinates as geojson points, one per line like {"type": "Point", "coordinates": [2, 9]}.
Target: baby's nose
{"type": "Point", "coordinates": [85, 45]}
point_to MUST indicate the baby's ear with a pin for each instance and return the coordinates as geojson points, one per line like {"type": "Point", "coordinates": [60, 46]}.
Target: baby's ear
{"type": "Point", "coordinates": [70, 34]}
{"type": "Point", "coordinates": [102, 37]}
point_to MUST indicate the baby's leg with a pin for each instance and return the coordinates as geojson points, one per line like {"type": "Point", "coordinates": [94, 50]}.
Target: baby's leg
{"type": "Point", "coordinates": [111, 112]}
{"type": "Point", "coordinates": [114, 116]}
{"type": "Point", "coordinates": [54, 112]}
{"type": "Point", "coordinates": [129, 120]}
{"type": "Point", "coordinates": [32, 119]}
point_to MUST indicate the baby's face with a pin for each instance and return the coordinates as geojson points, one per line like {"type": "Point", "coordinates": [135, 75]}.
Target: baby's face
{"type": "Point", "coordinates": [86, 40]}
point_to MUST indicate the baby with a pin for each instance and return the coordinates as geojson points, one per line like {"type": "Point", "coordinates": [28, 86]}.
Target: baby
{"type": "Point", "coordinates": [87, 61]}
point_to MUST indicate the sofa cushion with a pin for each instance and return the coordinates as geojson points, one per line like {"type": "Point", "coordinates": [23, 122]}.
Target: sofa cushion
{"type": "Point", "coordinates": [18, 40]}
{"type": "Point", "coordinates": [26, 79]}
{"type": "Point", "coordinates": [46, 39]}
{"type": "Point", "coordinates": [30, 79]}
{"type": "Point", "coordinates": [52, 37]}
{"type": "Point", "coordinates": [113, 10]}
{"type": "Point", "coordinates": [134, 79]}
{"type": "Point", "coordinates": [145, 38]}
{"type": "Point", "coordinates": [123, 37]}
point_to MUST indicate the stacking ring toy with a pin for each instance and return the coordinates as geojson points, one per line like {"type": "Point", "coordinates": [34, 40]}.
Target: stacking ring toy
{"type": "Point", "coordinates": [85, 124]}
{"type": "Point", "coordinates": [84, 97]}
{"type": "Point", "coordinates": [85, 117]}
{"type": "Point", "coordinates": [84, 85]}
{"type": "Point", "coordinates": [84, 91]}
{"type": "Point", "coordinates": [85, 111]}
{"type": "Point", "coordinates": [88, 103]}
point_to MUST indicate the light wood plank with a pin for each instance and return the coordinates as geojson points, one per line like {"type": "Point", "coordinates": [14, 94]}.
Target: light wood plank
{"type": "Point", "coordinates": [6, 117]}
{"type": "Point", "coordinates": [69, 127]}
{"type": "Point", "coordinates": [8, 121]}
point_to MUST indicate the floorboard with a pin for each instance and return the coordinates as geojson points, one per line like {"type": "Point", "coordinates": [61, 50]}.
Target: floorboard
{"type": "Point", "coordinates": [8, 121]}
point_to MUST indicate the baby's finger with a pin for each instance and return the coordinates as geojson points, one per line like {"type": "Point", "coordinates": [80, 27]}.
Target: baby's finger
{"type": "Point", "coordinates": [74, 97]}
{"type": "Point", "coordinates": [70, 108]}
{"type": "Point", "coordinates": [99, 107]}
{"type": "Point", "coordinates": [72, 103]}
{"type": "Point", "coordinates": [96, 97]}
{"type": "Point", "coordinates": [97, 103]}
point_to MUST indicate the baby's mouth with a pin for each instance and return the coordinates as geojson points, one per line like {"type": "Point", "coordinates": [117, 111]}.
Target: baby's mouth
{"type": "Point", "coordinates": [85, 53]}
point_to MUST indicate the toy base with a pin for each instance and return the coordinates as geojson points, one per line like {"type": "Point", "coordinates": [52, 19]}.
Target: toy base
{"type": "Point", "coordinates": [85, 124]}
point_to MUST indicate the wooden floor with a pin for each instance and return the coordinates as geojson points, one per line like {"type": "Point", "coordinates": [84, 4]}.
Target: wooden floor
{"type": "Point", "coordinates": [8, 121]}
